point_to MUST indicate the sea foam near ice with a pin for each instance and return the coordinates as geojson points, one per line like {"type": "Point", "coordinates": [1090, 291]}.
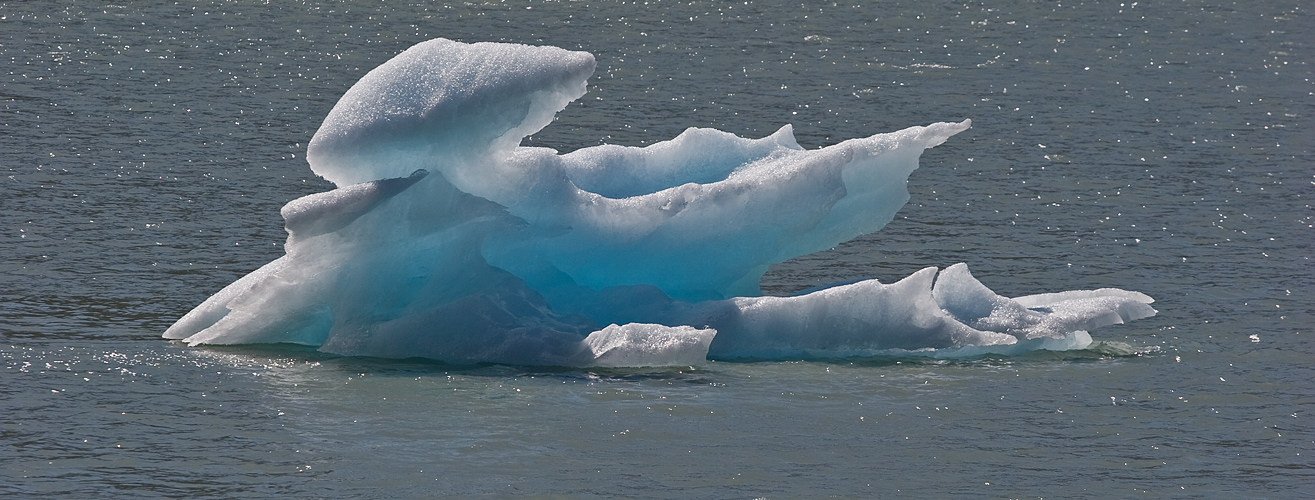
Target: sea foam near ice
{"type": "Point", "coordinates": [446, 239]}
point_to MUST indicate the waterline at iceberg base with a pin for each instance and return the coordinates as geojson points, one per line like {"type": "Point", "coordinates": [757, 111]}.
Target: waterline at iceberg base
{"type": "Point", "coordinates": [448, 240]}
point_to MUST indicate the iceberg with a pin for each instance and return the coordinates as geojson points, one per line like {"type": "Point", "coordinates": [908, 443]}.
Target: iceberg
{"type": "Point", "coordinates": [447, 239]}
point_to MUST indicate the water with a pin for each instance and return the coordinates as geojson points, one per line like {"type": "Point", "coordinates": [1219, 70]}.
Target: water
{"type": "Point", "coordinates": [146, 150]}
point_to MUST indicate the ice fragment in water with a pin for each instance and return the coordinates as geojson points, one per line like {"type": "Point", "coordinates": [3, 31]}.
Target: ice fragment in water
{"type": "Point", "coordinates": [446, 239]}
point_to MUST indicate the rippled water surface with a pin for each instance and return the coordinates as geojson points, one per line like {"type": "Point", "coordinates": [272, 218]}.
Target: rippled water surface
{"type": "Point", "coordinates": [1164, 147]}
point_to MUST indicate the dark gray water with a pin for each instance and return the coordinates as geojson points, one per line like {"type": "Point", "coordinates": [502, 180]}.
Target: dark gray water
{"type": "Point", "coordinates": [1163, 147]}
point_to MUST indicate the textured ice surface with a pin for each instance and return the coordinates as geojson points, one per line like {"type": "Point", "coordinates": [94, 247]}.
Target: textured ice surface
{"type": "Point", "coordinates": [446, 239]}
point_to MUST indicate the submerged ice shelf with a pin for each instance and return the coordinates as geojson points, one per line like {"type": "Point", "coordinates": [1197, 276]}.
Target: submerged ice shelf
{"type": "Point", "coordinates": [446, 239]}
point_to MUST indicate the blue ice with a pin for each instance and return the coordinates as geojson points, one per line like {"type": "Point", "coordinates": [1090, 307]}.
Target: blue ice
{"type": "Point", "coordinates": [447, 239]}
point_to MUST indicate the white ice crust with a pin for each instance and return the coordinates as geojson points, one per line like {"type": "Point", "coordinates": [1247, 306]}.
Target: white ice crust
{"type": "Point", "coordinates": [448, 240]}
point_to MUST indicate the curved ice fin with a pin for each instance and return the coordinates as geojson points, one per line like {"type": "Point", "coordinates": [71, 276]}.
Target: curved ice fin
{"type": "Point", "coordinates": [1052, 315]}
{"type": "Point", "coordinates": [216, 307]}
{"type": "Point", "coordinates": [447, 107]}
{"type": "Point", "coordinates": [857, 319]}
{"type": "Point", "coordinates": [697, 155]}
{"type": "Point", "coordinates": [322, 213]}
{"type": "Point", "coordinates": [975, 305]}
{"type": "Point", "coordinates": [1090, 309]}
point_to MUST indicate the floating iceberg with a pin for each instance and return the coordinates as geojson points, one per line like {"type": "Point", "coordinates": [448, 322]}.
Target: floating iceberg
{"type": "Point", "coordinates": [446, 239]}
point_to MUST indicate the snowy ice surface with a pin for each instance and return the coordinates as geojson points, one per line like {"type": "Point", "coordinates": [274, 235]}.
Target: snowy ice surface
{"type": "Point", "coordinates": [448, 240]}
